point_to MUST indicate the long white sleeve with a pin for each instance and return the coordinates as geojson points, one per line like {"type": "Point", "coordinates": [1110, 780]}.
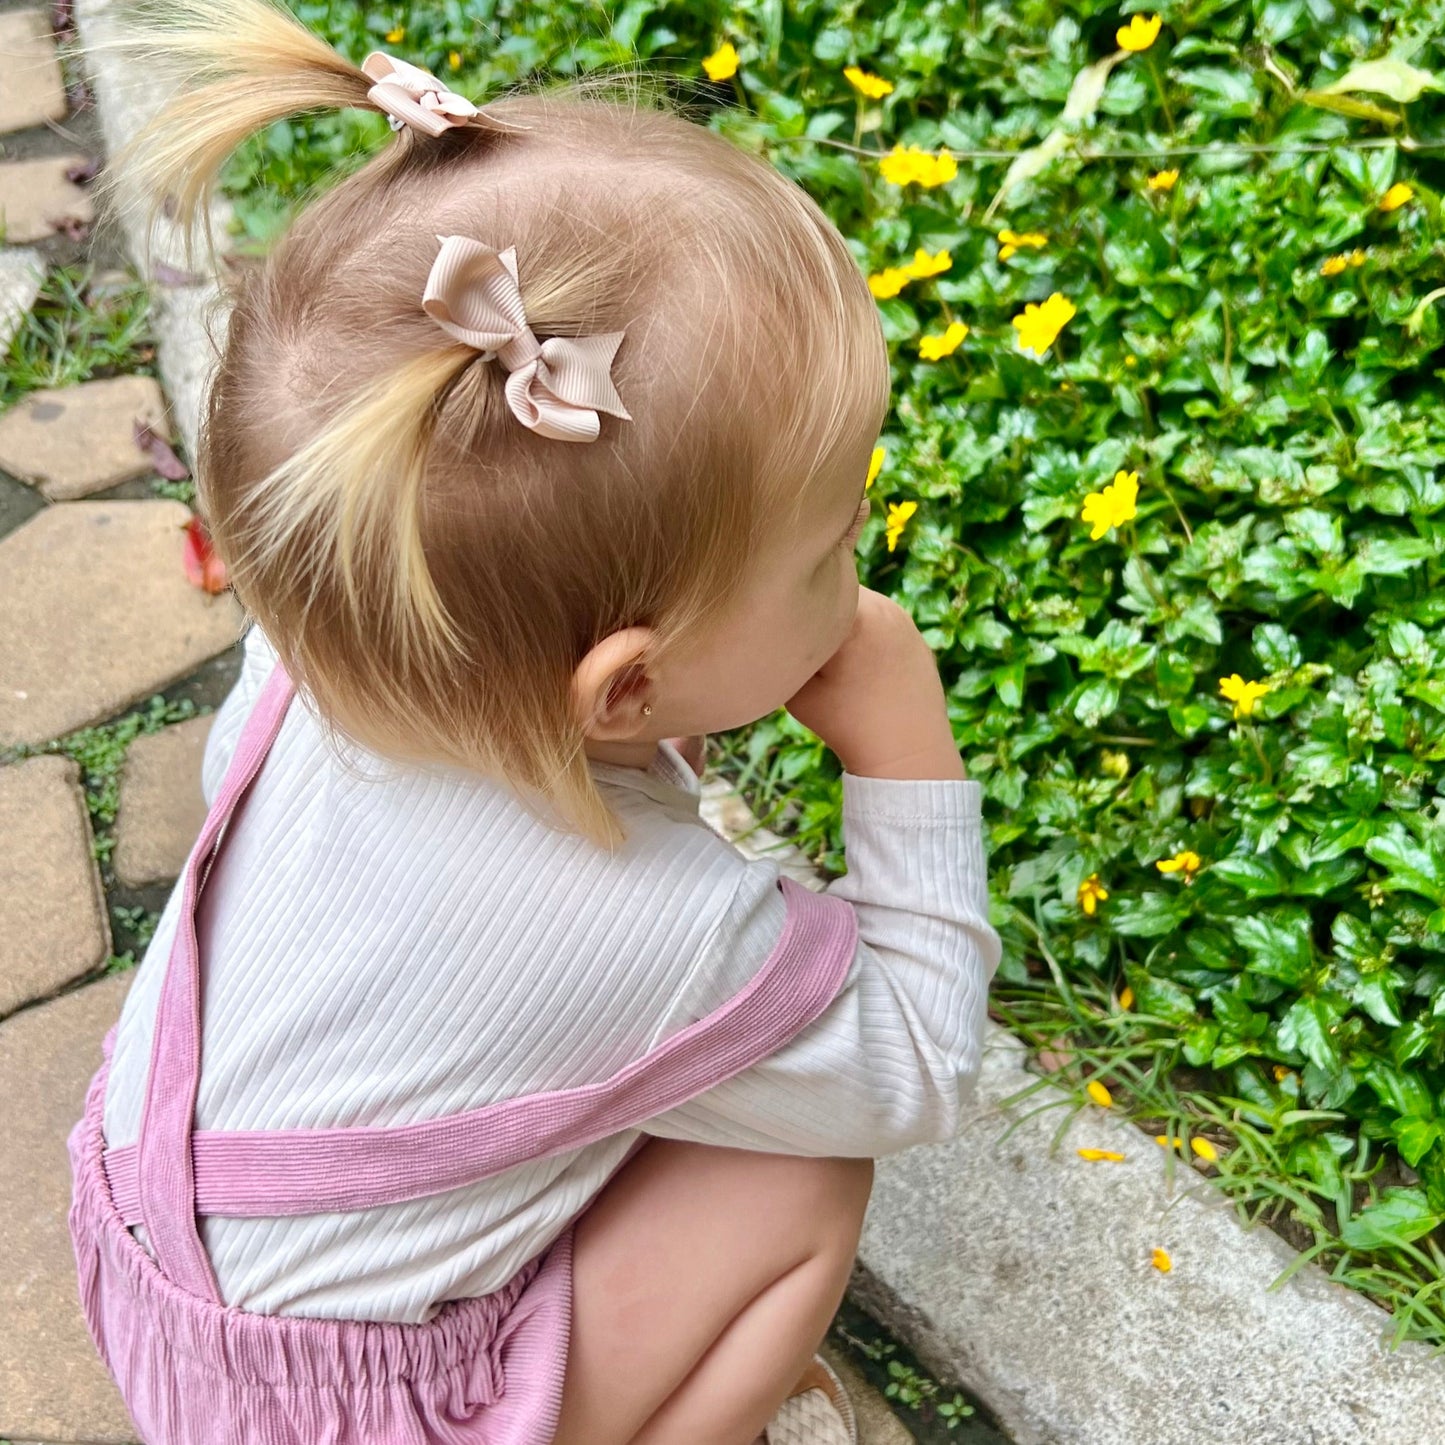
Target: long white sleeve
{"type": "Point", "coordinates": [893, 1058]}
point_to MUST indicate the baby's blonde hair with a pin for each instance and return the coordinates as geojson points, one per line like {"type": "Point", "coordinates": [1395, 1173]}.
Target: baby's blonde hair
{"type": "Point", "coordinates": [429, 570]}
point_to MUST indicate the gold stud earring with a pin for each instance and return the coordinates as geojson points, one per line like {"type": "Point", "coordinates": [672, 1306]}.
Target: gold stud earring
{"type": "Point", "coordinates": [647, 709]}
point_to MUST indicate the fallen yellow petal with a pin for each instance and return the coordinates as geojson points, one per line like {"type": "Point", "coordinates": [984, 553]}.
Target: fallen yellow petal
{"type": "Point", "coordinates": [1096, 1155]}
{"type": "Point", "coordinates": [1126, 999]}
{"type": "Point", "coordinates": [1204, 1149]}
{"type": "Point", "coordinates": [1168, 1141]}
{"type": "Point", "coordinates": [1161, 1261]}
{"type": "Point", "coordinates": [1396, 196]}
{"type": "Point", "coordinates": [1099, 1094]}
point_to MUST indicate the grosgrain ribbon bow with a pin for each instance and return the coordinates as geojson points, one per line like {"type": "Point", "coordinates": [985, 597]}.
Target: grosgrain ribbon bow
{"type": "Point", "coordinates": [412, 96]}
{"type": "Point", "coordinates": [557, 386]}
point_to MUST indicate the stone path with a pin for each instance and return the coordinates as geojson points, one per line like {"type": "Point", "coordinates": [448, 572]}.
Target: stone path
{"type": "Point", "coordinates": [98, 617]}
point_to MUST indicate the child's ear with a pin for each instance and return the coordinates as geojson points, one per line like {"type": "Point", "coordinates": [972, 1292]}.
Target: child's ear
{"type": "Point", "coordinates": [611, 686]}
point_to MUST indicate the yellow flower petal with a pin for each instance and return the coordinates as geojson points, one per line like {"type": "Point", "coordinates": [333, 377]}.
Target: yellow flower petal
{"type": "Point", "coordinates": [888, 282]}
{"type": "Point", "coordinates": [1126, 998]}
{"type": "Point", "coordinates": [898, 515]}
{"type": "Point", "coordinates": [1161, 1261]}
{"type": "Point", "coordinates": [1242, 694]}
{"type": "Point", "coordinates": [905, 165]}
{"type": "Point", "coordinates": [1163, 180]}
{"type": "Point", "coordinates": [1187, 862]}
{"type": "Point", "coordinates": [1099, 1094]}
{"type": "Point", "coordinates": [454, 60]}
{"type": "Point", "coordinates": [1091, 894]}
{"type": "Point", "coordinates": [1204, 1149]}
{"type": "Point", "coordinates": [873, 86]}
{"type": "Point", "coordinates": [1281, 1073]}
{"type": "Point", "coordinates": [1040, 323]}
{"type": "Point", "coordinates": [923, 265]}
{"type": "Point", "coordinates": [935, 348]}
{"type": "Point", "coordinates": [395, 37]}
{"type": "Point", "coordinates": [1095, 1155]}
{"type": "Point", "coordinates": [875, 465]}
{"type": "Point", "coordinates": [1357, 258]}
{"type": "Point", "coordinates": [1139, 34]}
{"type": "Point", "coordinates": [1168, 1141]}
{"type": "Point", "coordinates": [1112, 507]}
{"type": "Point", "coordinates": [1396, 196]}
{"type": "Point", "coordinates": [1334, 266]}
{"type": "Point", "coordinates": [722, 64]}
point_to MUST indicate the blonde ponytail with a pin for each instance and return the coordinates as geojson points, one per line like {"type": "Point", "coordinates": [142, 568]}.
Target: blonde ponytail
{"type": "Point", "coordinates": [232, 67]}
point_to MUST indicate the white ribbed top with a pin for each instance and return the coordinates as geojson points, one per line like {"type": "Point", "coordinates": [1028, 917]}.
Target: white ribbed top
{"type": "Point", "coordinates": [384, 944]}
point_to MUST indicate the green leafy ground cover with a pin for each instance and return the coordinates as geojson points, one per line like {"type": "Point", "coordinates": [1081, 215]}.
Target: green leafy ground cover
{"type": "Point", "coordinates": [1254, 341]}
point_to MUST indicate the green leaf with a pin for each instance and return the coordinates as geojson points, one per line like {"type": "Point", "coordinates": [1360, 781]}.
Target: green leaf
{"type": "Point", "coordinates": [1279, 945]}
{"type": "Point", "coordinates": [1392, 78]}
{"type": "Point", "coordinates": [1306, 1029]}
{"type": "Point", "coordinates": [1415, 1137]}
{"type": "Point", "coordinates": [1397, 1217]}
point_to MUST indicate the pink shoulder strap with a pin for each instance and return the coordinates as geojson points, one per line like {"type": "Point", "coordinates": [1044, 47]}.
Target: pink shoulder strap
{"type": "Point", "coordinates": [170, 1175]}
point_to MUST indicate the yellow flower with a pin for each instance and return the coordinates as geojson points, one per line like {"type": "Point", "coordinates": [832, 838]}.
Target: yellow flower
{"type": "Point", "coordinates": [1126, 998]}
{"type": "Point", "coordinates": [454, 59]}
{"type": "Point", "coordinates": [1139, 34]}
{"type": "Point", "coordinates": [395, 37]}
{"type": "Point", "coordinates": [1039, 324]}
{"type": "Point", "coordinates": [898, 515]}
{"type": "Point", "coordinates": [1281, 1073]}
{"type": "Point", "coordinates": [722, 64]}
{"type": "Point", "coordinates": [923, 265]}
{"type": "Point", "coordinates": [1091, 894]}
{"type": "Point", "coordinates": [1095, 1155]}
{"type": "Point", "coordinates": [1168, 1141]}
{"type": "Point", "coordinates": [935, 348]}
{"type": "Point", "coordinates": [873, 86]}
{"type": "Point", "coordinates": [912, 164]}
{"type": "Point", "coordinates": [1131, 361]}
{"type": "Point", "coordinates": [1357, 258]}
{"type": "Point", "coordinates": [1204, 1149]}
{"type": "Point", "coordinates": [1011, 241]}
{"type": "Point", "coordinates": [1242, 694]}
{"type": "Point", "coordinates": [875, 465]}
{"type": "Point", "coordinates": [1163, 180]}
{"type": "Point", "coordinates": [1396, 196]}
{"type": "Point", "coordinates": [1112, 507]}
{"type": "Point", "coordinates": [1161, 1261]}
{"type": "Point", "coordinates": [1186, 863]}
{"type": "Point", "coordinates": [1334, 266]}
{"type": "Point", "coordinates": [888, 282]}
{"type": "Point", "coordinates": [1099, 1094]}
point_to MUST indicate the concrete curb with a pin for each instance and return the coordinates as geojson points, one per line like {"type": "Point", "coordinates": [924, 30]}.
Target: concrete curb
{"type": "Point", "coordinates": [1023, 1274]}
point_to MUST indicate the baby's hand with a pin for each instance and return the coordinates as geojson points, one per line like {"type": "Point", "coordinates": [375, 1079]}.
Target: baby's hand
{"type": "Point", "coordinates": [877, 702]}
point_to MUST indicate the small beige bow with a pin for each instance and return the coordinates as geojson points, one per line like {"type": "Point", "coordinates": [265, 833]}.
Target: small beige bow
{"type": "Point", "coordinates": [412, 96]}
{"type": "Point", "coordinates": [557, 386]}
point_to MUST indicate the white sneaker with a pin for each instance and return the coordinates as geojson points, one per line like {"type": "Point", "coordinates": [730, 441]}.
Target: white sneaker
{"type": "Point", "coordinates": [818, 1412]}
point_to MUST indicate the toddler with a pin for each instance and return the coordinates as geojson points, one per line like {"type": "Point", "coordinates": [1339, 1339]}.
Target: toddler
{"type": "Point", "coordinates": [472, 1089]}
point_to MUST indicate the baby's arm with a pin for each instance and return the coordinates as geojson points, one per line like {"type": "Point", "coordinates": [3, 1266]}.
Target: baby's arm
{"type": "Point", "coordinates": [891, 1060]}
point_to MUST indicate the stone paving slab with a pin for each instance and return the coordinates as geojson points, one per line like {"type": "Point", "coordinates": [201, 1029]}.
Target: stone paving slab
{"type": "Point", "coordinates": [21, 274]}
{"type": "Point", "coordinates": [33, 92]}
{"type": "Point", "coordinates": [54, 926]}
{"type": "Point", "coordinates": [36, 198]}
{"type": "Point", "coordinates": [81, 439]}
{"type": "Point", "coordinates": [52, 1384]}
{"type": "Point", "coordinates": [98, 615]}
{"type": "Point", "coordinates": [162, 809]}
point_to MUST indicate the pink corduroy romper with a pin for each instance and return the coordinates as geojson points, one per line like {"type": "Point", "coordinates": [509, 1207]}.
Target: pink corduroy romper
{"type": "Point", "coordinates": [194, 1371]}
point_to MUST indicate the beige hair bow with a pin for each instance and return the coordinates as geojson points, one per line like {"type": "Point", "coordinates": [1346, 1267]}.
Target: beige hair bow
{"type": "Point", "coordinates": [557, 386]}
{"type": "Point", "coordinates": [411, 96]}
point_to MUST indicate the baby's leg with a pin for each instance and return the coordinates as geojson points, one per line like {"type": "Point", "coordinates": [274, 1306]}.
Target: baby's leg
{"type": "Point", "coordinates": [704, 1279]}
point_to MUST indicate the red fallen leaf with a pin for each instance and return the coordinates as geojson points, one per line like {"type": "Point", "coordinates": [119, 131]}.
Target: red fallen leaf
{"type": "Point", "coordinates": [203, 568]}
{"type": "Point", "coordinates": [162, 454]}
{"type": "Point", "coordinates": [170, 276]}
{"type": "Point", "coordinates": [82, 172]}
